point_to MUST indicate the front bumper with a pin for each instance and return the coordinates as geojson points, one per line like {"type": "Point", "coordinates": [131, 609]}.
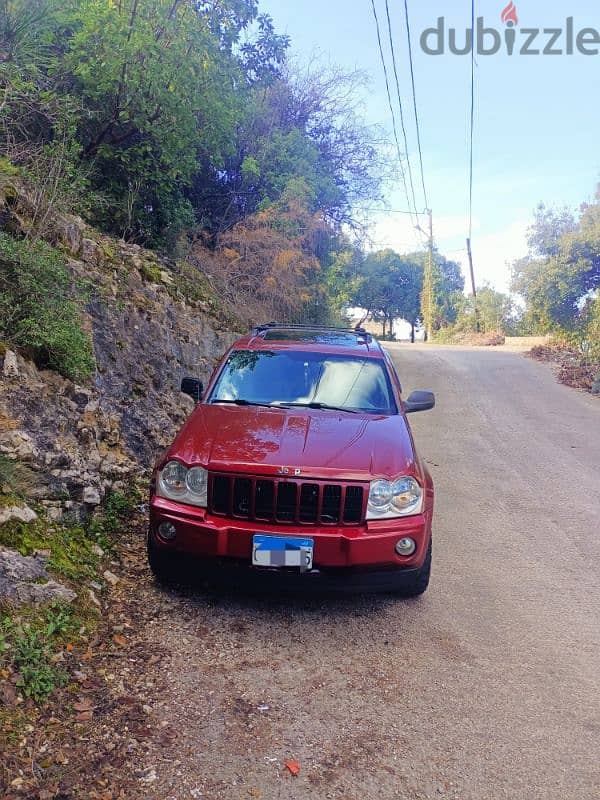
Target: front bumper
{"type": "Point", "coordinates": [348, 553]}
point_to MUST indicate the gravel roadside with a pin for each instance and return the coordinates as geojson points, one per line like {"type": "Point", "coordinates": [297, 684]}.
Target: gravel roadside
{"type": "Point", "coordinates": [487, 687]}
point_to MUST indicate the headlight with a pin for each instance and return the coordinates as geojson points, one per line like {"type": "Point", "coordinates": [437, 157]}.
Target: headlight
{"type": "Point", "coordinates": [400, 498]}
{"type": "Point", "coordinates": [380, 495]}
{"type": "Point", "coordinates": [177, 482]}
{"type": "Point", "coordinates": [172, 479]}
{"type": "Point", "coordinates": [407, 496]}
{"type": "Point", "coordinates": [197, 483]}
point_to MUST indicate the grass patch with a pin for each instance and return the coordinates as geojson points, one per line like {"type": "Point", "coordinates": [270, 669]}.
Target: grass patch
{"type": "Point", "coordinates": [8, 169]}
{"type": "Point", "coordinates": [37, 310]}
{"type": "Point", "coordinates": [191, 284]}
{"type": "Point", "coordinates": [150, 271]}
{"type": "Point", "coordinates": [29, 653]}
{"type": "Point", "coordinates": [117, 510]}
{"type": "Point", "coordinates": [72, 548]}
{"type": "Point", "coordinates": [71, 553]}
{"type": "Point", "coordinates": [16, 479]}
{"type": "Point", "coordinates": [31, 642]}
{"type": "Point", "coordinates": [33, 638]}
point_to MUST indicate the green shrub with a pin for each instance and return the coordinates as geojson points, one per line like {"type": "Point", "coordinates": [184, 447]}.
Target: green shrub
{"type": "Point", "coordinates": [8, 169]}
{"type": "Point", "coordinates": [71, 553]}
{"type": "Point", "coordinates": [38, 676]}
{"type": "Point", "coordinates": [117, 509]}
{"type": "Point", "coordinates": [37, 312]}
{"type": "Point", "coordinates": [29, 644]}
{"type": "Point", "coordinates": [16, 479]}
{"type": "Point", "coordinates": [593, 329]}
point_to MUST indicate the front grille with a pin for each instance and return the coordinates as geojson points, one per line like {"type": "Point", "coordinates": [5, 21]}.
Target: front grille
{"type": "Point", "coordinates": [286, 501]}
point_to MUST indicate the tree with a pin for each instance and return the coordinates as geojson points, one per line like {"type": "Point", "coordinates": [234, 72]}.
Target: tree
{"type": "Point", "coordinates": [495, 312]}
{"type": "Point", "coordinates": [390, 288]}
{"type": "Point", "coordinates": [343, 276]}
{"type": "Point", "coordinates": [167, 122]}
{"type": "Point", "coordinates": [157, 90]}
{"type": "Point", "coordinates": [147, 92]}
{"type": "Point", "coordinates": [442, 292]}
{"type": "Point", "coordinates": [562, 272]}
{"type": "Point", "coordinates": [302, 126]}
{"type": "Point", "coordinates": [409, 283]}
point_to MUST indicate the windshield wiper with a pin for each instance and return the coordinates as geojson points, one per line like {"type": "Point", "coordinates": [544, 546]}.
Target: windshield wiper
{"type": "Point", "coordinates": [241, 402]}
{"type": "Point", "coordinates": [321, 406]}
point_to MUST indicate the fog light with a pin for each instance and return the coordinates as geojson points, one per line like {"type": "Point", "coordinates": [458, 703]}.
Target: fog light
{"type": "Point", "coordinates": [406, 547]}
{"type": "Point", "coordinates": [167, 531]}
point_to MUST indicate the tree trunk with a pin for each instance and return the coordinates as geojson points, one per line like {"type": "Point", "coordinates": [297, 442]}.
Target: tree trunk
{"type": "Point", "coordinates": [412, 332]}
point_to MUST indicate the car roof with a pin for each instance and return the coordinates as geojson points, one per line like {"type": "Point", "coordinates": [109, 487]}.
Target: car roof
{"type": "Point", "coordinates": [313, 338]}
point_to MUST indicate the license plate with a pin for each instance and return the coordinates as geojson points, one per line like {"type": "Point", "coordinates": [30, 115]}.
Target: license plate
{"type": "Point", "coordinates": [282, 551]}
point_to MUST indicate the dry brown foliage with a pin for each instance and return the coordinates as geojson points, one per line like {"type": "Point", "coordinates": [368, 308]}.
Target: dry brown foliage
{"type": "Point", "coordinates": [470, 338]}
{"type": "Point", "coordinates": [267, 266]}
{"type": "Point", "coordinates": [570, 368]}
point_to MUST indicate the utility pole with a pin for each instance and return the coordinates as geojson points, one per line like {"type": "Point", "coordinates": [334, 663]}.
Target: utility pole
{"type": "Point", "coordinates": [474, 289]}
{"type": "Point", "coordinates": [430, 258]}
{"type": "Point", "coordinates": [427, 296]}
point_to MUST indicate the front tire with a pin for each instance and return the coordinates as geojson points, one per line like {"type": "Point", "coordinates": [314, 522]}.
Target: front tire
{"type": "Point", "coordinates": [163, 563]}
{"type": "Point", "coordinates": [420, 582]}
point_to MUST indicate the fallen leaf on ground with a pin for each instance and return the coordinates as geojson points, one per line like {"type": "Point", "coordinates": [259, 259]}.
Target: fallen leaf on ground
{"type": "Point", "coordinates": [8, 695]}
{"type": "Point", "coordinates": [292, 766]}
{"type": "Point", "coordinates": [83, 705]}
{"type": "Point", "coordinates": [120, 640]}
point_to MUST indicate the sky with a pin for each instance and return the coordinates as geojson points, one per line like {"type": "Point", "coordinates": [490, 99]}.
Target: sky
{"type": "Point", "coordinates": [536, 122]}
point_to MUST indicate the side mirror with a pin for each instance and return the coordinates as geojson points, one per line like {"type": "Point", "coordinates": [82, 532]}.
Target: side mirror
{"type": "Point", "coordinates": [193, 387]}
{"type": "Point", "coordinates": [419, 401]}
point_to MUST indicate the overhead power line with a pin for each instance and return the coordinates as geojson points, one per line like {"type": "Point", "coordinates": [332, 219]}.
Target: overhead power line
{"type": "Point", "coordinates": [472, 129]}
{"type": "Point", "coordinates": [398, 93]}
{"type": "Point", "coordinates": [391, 107]}
{"type": "Point", "coordinates": [414, 94]}
{"type": "Point", "coordinates": [402, 211]}
{"type": "Point", "coordinates": [472, 121]}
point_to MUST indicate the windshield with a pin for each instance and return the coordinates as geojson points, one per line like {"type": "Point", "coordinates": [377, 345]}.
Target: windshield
{"type": "Point", "coordinates": [321, 380]}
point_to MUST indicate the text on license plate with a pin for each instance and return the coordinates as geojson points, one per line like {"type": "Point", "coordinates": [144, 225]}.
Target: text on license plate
{"type": "Point", "coordinates": [282, 551]}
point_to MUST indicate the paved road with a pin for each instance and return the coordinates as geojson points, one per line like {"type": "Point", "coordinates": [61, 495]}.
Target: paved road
{"type": "Point", "coordinates": [486, 688]}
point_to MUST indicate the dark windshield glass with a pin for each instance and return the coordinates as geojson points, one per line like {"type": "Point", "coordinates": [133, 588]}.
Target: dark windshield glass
{"type": "Point", "coordinates": [346, 382]}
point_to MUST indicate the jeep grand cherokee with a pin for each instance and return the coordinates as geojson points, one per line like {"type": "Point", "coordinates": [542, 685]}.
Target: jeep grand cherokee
{"type": "Point", "coordinates": [297, 468]}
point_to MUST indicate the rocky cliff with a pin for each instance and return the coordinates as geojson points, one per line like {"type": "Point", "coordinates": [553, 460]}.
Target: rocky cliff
{"type": "Point", "coordinates": [152, 321]}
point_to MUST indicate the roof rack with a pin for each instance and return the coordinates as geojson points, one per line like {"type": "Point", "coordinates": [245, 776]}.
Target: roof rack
{"type": "Point", "coordinates": [358, 330]}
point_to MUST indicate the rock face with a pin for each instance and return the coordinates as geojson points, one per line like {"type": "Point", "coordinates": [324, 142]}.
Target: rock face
{"type": "Point", "coordinates": [20, 513]}
{"type": "Point", "coordinates": [10, 368]}
{"type": "Point", "coordinates": [81, 441]}
{"type": "Point", "coordinates": [20, 578]}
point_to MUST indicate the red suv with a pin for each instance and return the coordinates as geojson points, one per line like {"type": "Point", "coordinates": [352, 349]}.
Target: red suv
{"type": "Point", "coordinates": [297, 468]}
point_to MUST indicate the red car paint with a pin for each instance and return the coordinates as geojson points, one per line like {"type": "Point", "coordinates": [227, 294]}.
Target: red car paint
{"type": "Point", "coordinates": [298, 445]}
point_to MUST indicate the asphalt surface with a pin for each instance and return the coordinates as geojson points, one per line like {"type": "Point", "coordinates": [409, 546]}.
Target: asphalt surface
{"type": "Point", "coordinates": [486, 688]}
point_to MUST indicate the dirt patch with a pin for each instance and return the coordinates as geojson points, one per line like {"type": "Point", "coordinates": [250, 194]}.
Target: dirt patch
{"type": "Point", "coordinates": [569, 366]}
{"type": "Point", "coordinates": [478, 339]}
{"type": "Point", "coordinates": [90, 739]}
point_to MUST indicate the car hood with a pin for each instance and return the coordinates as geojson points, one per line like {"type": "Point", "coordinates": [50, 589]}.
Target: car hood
{"type": "Point", "coordinates": [305, 442]}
